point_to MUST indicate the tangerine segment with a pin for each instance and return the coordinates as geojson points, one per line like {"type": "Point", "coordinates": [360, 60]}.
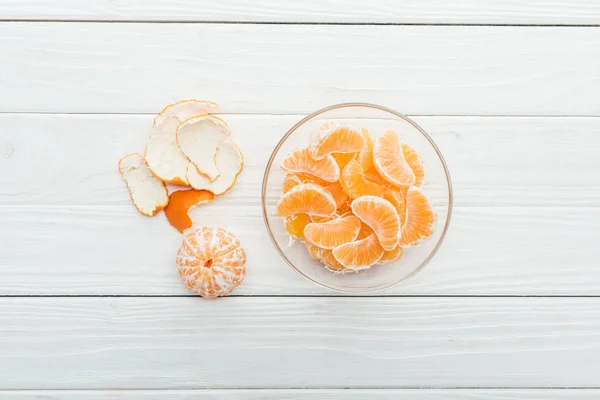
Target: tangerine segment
{"type": "Point", "coordinates": [416, 163]}
{"type": "Point", "coordinates": [389, 160]}
{"type": "Point", "coordinates": [355, 184]}
{"type": "Point", "coordinates": [199, 138]}
{"type": "Point", "coordinates": [327, 258]}
{"type": "Point", "coordinates": [361, 254]}
{"type": "Point", "coordinates": [179, 206]}
{"type": "Point", "coordinates": [148, 193]}
{"type": "Point", "coordinates": [185, 109]}
{"type": "Point", "coordinates": [211, 262]}
{"type": "Point", "coordinates": [340, 139]}
{"type": "Point", "coordinates": [398, 200]}
{"type": "Point", "coordinates": [230, 163]}
{"type": "Point", "coordinates": [338, 194]}
{"type": "Point", "coordinates": [318, 219]}
{"type": "Point", "coordinates": [295, 224]}
{"type": "Point", "coordinates": [374, 176]}
{"type": "Point", "coordinates": [365, 231]}
{"type": "Point", "coordinates": [307, 198]}
{"type": "Point", "coordinates": [300, 160]}
{"type": "Point", "coordinates": [328, 235]}
{"type": "Point", "coordinates": [342, 159]}
{"type": "Point", "coordinates": [381, 216]}
{"type": "Point", "coordinates": [365, 157]}
{"type": "Point", "coordinates": [163, 156]}
{"type": "Point", "coordinates": [420, 218]}
{"type": "Point", "coordinates": [313, 251]}
{"type": "Point", "coordinates": [290, 181]}
{"type": "Point", "coordinates": [390, 257]}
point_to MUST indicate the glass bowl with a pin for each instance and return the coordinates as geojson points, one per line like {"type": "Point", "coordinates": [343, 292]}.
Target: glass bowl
{"type": "Point", "coordinates": [437, 187]}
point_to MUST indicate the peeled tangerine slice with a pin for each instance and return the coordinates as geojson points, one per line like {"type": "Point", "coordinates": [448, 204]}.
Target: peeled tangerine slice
{"type": "Point", "coordinates": [361, 254]}
{"type": "Point", "coordinates": [336, 139]}
{"type": "Point", "coordinates": [389, 160]}
{"type": "Point", "coordinates": [307, 199]}
{"type": "Point", "coordinates": [328, 235]}
{"type": "Point", "coordinates": [164, 157]}
{"type": "Point", "coordinates": [149, 194]}
{"type": "Point", "coordinates": [230, 163]}
{"type": "Point", "coordinates": [295, 224]}
{"type": "Point", "coordinates": [355, 184]}
{"type": "Point", "coordinates": [390, 257]}
{"type": "Point", "coordinates": [185, 109]}
{"type": "Point", "coordinates": [420, 218]}
{"type": "Point", "coordinates": [381, 216]}
{"type": "Point", "coordinates": [300, 160]}
{"type": "Point", "coordinates": [416, 163]}
{"type": "Point", "coordinates": [327, 258]}
{"type": "Point", "coordinates": [180, 203]}
{"type": "Point", "coordinates": [211, 262]}
{"type": "Point", "coordinates": [199, 138]}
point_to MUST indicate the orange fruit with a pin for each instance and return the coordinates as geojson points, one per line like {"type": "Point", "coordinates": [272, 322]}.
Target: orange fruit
{"type": "Point", "coordinates": [365, 157]}
{"type": "Point", "coordinates": [300, 160]}
{"type": "Point", "coordinates": [211, 262]}
{"type": "Point", "coordinates": [373, 176]}
{"type": "Point", "coordinates": [416, 163]}
{"type": "Point", "coordinates": [420, 218]}
{"type": "Point", "coordinates": [313, 251]}
{"type": "Point", "coordinates": [381, 216]}
{"type": "Point", "coordinates": [355, 184]}
{"type": "Point", "coordinates": [294, 225]}
{"type": "Point", "coordinates": [307, 198]}
{"type": "Point", "coordinates": [342, 159]}
{"type": "Point", "coordinates": [328, 235]}
{"type": "Point", "coordinates": [180, 203]}
{"type": "Point", "coordinates": [290, 181]}
{"type": "Point", "coordinates": [360, 254]}
{"type": "Point", "coordinates": [327, 258]}
{"type": "Point", "coordinates": [398, 199]}
{"type": "Point", "coordinates": [338, 194]}
{"type": "Point", "coordinates": [336, 139]}
{"type": "Point", "coordinates": [390, 257]}
{"type": "Point", "coordinates": [389, 160]}
{"type": "Point", "coordinates": [148, 193]}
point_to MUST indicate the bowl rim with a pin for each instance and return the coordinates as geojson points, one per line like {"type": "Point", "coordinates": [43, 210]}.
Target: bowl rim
{"type": "Point", "coordinates": [377, 107]}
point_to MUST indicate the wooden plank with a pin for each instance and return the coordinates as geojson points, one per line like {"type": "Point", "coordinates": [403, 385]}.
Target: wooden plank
{"type": "Point", "coordinates": [71, 159]}
{"type": "Point", "coordinates": [378, 11]}
{"type": "Point", "coordinates": [143, 343]}
{"type": "Point", "coordinates": [308, 394]}
{"type": "Point", "coordinates": [427, 70]}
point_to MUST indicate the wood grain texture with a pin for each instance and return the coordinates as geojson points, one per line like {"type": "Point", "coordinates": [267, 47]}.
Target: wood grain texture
{"type": "Point", "coordinates": [307, 394]}
{"type": "Point", "coordinates": [100, 343]}
{"type": "Point", "coordinates": [427, 70]}
{"type": "Point", "coordinates": [378, 11]}
{"type": "Point", "coordinates": [525, 220]}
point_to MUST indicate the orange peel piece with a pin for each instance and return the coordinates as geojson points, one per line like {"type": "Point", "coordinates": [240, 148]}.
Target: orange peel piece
{"type": "Point", "coordinates": [185, 109]}
{"type": "Point", "coordinates": [199, 138]}
{"type": "Point", "coordinates": [211, 262]}
{"type": "Point", "coordinates": [300, 161]}
{"type": "Point", "coordinates": [163, 156]}
{"type": "Point", "coordinates": [308, 199]}
{"type": "Point", "coordinates": [180, 203]}
{"type": "Point", "coordinates": [230, 163]}
{"type": "Point", "coordinates": [148, 193]}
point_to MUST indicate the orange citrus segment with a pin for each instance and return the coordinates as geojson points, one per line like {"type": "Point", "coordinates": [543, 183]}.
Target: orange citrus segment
{"type": "Point", "coordinates": [340, 139]}
{"type": "Point", "coordinates": [355, 184]}
{"type": "Point", "coordinates": [365, 157]}
{"type": "Point", "coordinates": [148, 193]}
{"type": "Point", "coordinates": [342, 159]}
{"type": "Point", "coordinates": [179, 206]}
{"type": "Point", "coordinates": [365, 231]}
{"type": "Point", "coordinates": [416, 164]}
{"type": "Point", "coordinates": [338, 194]}
{"type": "Point", "coordinates": [318, 219]}
{"type": "Point", "coordinates": [398, 200]}
{"type": "Point", "coordinates": [211, 262]}
{"type": "Point", "coordinates": [328, 235]}
{"type": "Point", "coordinates": [390, 257]}
{"type": "Point", "coordinates": [313, 251]}
{"type": "Point", "coordinates": [300, 160]}
{"type": "Point", "coordinates": [290, 181]}
{"type": "Point", "coordinates": [307, 198]}
{"type": "Point", "coordinates": [360, 254]}
{"type": "Point", "coordinates": [389, 160]}
{"type": "Point", "coordinates": [327, 258]}
{"type": "Point", "coordinates": [295, 224]}
{"type": "Point", "coordinates": [373, 176]}
{"type": "Point", "coordinates": [420, 218]}
{"type": "Point", "coordinates": [381, 216]}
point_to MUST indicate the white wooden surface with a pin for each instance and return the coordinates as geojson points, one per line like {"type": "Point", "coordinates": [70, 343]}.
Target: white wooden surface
{"type": "Point", "coordinates": [90, 302]}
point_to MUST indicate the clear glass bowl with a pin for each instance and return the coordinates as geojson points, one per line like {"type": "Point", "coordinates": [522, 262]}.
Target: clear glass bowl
{"type": "Point", "coordinates": [437, 187]}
